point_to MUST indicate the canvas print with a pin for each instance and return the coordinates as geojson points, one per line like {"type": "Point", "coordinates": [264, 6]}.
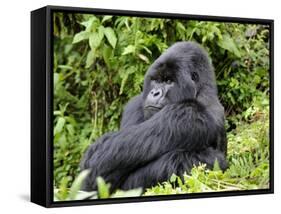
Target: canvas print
{"type": "Point", "coordinates": [148, 106]}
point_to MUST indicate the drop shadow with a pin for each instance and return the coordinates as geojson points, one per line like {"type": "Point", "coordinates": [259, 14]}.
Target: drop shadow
{"type": "Point", "coordinates": [24, 197]}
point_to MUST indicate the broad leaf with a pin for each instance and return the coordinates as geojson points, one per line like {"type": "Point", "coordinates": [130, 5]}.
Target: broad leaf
{"type": "Point", "coordinates": [76, 186]}
{"type": "Point", "coordinates": [105, 18]}
{"type": "Point", "coordinates": [91, 56]}
{"type": "Point", "coordinates": [216, 165]}
{"type": "Point", "coordinates": [80, 36]}
{"type": "Point", "coordinates": [129, 193]}
{"type": "Point", "coordinates": [59, 125]}
{"type": "Point", "coordinates": [92, 22]}
{"type": "Point", "coordinates": [143, 58]}
{"type": "Point", "coordinates": [227, 43]}
{"type": "Point", "coordinates": [173, 178]}
{"type": "Point", "coordinates": [129, 49]}
{"type": "Point", "coordinates": [107, 53]}
{"type": "Point", "coordinates": [82, 195]}
{"type": "Point", "coordinates": [96, 38]}
{"type": "Point", "coordinates": [56, 79]}
{"type": "Point", "coordinates": [111, 37]}
{"type": "Point", "coordinates": [103, 188]}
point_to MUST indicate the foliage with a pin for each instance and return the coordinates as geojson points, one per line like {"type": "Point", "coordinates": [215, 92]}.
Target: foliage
{"type": "Point", "coordinates": [100, 62]}
{"type": "Point", "coordinates": [74, 193]}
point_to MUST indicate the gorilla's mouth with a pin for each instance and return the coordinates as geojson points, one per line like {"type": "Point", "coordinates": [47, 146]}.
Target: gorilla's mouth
{"type": "Point", "coordinates": [154, 108]}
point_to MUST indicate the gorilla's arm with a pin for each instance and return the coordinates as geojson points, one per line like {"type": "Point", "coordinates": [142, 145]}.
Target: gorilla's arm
{"type": "Point", "coordinates": [175, 162]}
{"type": "Point", "coordinates": [114, 156]}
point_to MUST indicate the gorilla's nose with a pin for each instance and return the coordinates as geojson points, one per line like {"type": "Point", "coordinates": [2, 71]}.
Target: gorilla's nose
{"type": "Point", "coordinates": [156, 93]}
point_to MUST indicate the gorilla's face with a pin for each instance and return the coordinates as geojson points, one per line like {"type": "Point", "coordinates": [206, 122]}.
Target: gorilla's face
{"type": "Point", "coordinates": [159, 95]}
{"type": "Point", "coordinates": [170, 79]}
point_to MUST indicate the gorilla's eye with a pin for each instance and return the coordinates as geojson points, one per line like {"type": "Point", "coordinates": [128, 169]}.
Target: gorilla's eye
{"type": "Point", "coordinates": [169, 81]}
{"type": "Point", "coordinates": [194, 76]}
{"type": "Point", "coordinates": [153, 79]}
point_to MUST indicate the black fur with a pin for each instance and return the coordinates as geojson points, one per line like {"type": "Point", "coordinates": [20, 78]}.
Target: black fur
{"type": "Point", "coordinates": [186, 131]}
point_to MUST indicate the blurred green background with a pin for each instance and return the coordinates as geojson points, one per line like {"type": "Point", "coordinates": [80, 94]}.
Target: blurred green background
{"type": "Point", "coordinates": [100, 62]}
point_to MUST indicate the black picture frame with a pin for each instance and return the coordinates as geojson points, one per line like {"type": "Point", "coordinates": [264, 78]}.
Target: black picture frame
{"type": "Point", "coordinates": [42, 102]}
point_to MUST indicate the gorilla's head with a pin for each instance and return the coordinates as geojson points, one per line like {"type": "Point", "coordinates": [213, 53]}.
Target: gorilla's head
{"type": "Point", "coordinates": [182, 72]}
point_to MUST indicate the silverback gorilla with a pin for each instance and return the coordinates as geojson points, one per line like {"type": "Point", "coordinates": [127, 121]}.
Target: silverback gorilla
{"type": "Point", "coordinates": [175, 123]}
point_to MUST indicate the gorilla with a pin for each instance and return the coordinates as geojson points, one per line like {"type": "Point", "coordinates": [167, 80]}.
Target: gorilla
{"type": "Point", "coordinates": [177, 122]}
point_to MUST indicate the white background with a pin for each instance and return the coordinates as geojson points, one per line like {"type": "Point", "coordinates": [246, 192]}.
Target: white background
{"type": "Point", "coordinates": [15, 105]}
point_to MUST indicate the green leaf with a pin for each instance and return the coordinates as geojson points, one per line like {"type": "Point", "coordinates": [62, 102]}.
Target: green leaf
{"type": "Point", "coordinates": [57, 113]}
{"type": "Point", "coordinates": [103, 188]}
{"type": "Point", "coordinates": [82, 195]}
{"type": "Point", "coordinates": [70, 129]}
{"type": "Point", "coordinates": [56, 79]}
{"type": "Point", "coordinates": [143, 58]}
{"type": "Point", "coordinates": [105, 18]}
{"type": "Point", "coordinates": [227, 43]}
{"type": "Point", "coordinates": [173, 178]}
{"type": "Point", "coordinates": [107, 53]}
{"type": "Point", "coordinates": [130, 193]}
{"type": "Point", "coordinates": [216, 166]}
{"type": "Point", "coordinates": [76, 186]}
{"type": "Point", "coordinates": [111, 37]}
{"type": "Point", "coordinates": [91, 56]}
{"type": "Point", "coordinates": [147, 50]}
{"type": "Point", "coordinates": [90, 24]}
{"type": "Point", "coordinates": [62, 192]}
{"type": "Point", "coordinates": [66, 67]}
{"type": "Point", "coordinates": [96, 38]}
{"type": "Point", "coordinates": [59, 126]}
{"type": "Point", "coordinates": [180, 26]}
{"type": "Point", "coordinates": [129, 49]}
{"type": "Point", "coordinates": [80, 36]}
